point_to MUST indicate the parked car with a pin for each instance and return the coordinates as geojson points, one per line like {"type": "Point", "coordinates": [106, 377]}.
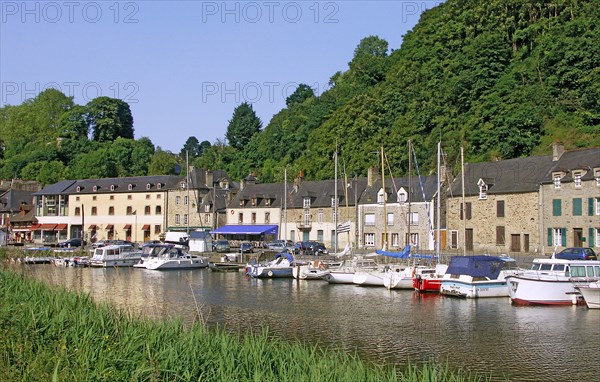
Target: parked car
{"type": "Point", "coordinates": [71, 243]}
{"type": "Point", "coordinates": [246, 247]}
{"type": "Point", "coordinates": [577, 253]}
{"type": "Point", "coordinates": [221, 246]}
{"type": "Point", "coordinates": [280, 245]}
{"type": "Point", "coordinates": [310, 248]}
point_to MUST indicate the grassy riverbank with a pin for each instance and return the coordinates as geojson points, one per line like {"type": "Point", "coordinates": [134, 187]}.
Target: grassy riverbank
{"type": "Point", "coordinates": [50, 334]}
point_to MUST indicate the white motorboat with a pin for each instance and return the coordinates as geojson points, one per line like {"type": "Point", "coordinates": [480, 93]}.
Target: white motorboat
{"type": "Point", "coordinates": [552, 282]}
{"type": "Point", "coordinates": [169, 256]}
{"type": "Point", "coordinates": [344, 274]}
{"type": "Point", "coordinates": [478, 276]}
{"type": "Point", "coordinates": [591, 294]}
{"type": "Point", "coordinates": [281, 267]}
{"type": "Point", "coordinates": [429, 279]}
{"type": "Point", "coordinates": [118, 255]}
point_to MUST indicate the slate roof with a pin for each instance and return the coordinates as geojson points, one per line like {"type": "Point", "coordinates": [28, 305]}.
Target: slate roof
{"type": "Point", "coordinates": [517, 175]}
{"type": "Point", "coordinates": [415, 194]}
{"type": "Point", "coordinates": [584, 159]}
{"type": "Point", "coordinates": [520, 175]}
{"type": "Point", "coordinates": [261, 191]}
{"type": "Point", "coordinates": [12, 199]}
{"type": "Point", "coordinates": [58, 188]}
{"type": "Point", "coordinates": [321, 191]}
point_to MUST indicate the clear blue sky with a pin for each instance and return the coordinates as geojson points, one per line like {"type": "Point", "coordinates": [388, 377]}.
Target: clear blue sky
{"type": "Point", "coordinates": [183, 66]}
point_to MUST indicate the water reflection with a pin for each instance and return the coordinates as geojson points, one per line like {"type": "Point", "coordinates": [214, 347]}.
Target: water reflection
{"type": "Point", "coordinates": [488, 335]}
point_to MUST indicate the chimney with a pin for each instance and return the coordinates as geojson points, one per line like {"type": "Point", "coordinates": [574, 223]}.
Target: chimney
{"type": "Point", "coordinates": [558, 149]}
{"type": "Point", "coordinates": [372, 176]}
{"type": "Point", "coordinates": [209, 178]}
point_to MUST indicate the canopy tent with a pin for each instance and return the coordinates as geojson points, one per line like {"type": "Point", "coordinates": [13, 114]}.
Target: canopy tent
{"type": "Point", "coordinates": [246, 230]}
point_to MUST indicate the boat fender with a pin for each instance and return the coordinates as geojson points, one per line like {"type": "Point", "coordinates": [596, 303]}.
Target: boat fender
{"type": "Point", "coordinates": [270, 273]}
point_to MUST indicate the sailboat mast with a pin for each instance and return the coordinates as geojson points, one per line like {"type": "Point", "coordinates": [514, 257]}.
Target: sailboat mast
{"type": "Point", "coordinates": [187, 171]}
{"type": "Point", "coordinates": [285, 204]}
{"type": "Point", "coordinates": [463, 207]}
{"type": "Point", "coordinates": [409, 220]}
{"type": "Point", "coordinates": [335, 206]}
{"type": "Point", "coordinates": [384, 202]}
{"type": "Point", "coordinates": [439, 200]}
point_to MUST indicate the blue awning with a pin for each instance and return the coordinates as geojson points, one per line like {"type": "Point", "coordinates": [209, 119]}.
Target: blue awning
{"type": "Point", "coordinates": [246, 230]}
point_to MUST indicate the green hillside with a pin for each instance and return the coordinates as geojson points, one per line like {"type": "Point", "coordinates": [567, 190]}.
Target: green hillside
{"type": "Point", "coordinates": [503, 78]}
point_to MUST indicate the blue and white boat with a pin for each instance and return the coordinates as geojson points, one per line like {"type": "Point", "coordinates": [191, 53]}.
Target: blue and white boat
{"type": "Point", "coordinates": [280, 267]}
{"type": "Point", "coordinates": [478, 276]}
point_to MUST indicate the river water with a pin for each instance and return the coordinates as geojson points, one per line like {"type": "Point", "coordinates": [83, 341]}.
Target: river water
{"type": "Point", "coordinates": [486, 336]}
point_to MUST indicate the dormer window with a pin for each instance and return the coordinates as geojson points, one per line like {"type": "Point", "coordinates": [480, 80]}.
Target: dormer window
{"type": "Point", "coordinates": [267, 202]}
{"type": "Point", "coordinates": [130, 186]}
{"type": "Point", "coordinates": [95, 188]}
{"type": "Point", "coordinates": [577, 179]}
{"type": "Point", "coordinates": [556, 179]}
{"type": "Point", "coordinates": [158, 186]}
{"type": "Point", "coordinates": [253, 202]}
{"type": "Point", "coordinates": [380, 196]}
{"type": "Point", "coordinates": [225, 185]}
{"type": "Point", "coordinates": [334, 202]}
{"type": "Point", "coordinates": [402, 196]}
{"type": "Point", "coordinates": [112, 187]}
{"type": "Point", "coordinates": [597, 176]}
{"type": "Point", "coordinates": [148, 186]}
{"type": "Point", "coordinates": [241, 202]}
{"type": "Point", "coordinates": [306, 202]}
{"type": "Point", "coordinates": [78, 188]}
{"type": "Point", "coordinates": [483, 188]}
{"type": "Point", "coordinates": [183, 185]}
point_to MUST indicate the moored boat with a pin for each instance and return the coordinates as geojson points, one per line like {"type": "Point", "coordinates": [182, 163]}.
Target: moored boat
{"type": "Point", "coordinates": [314, 270]}
{"type": "Point", "coordinates": [280, 267]}
{"type": "Point", "coordinates": [344, 274]}
{"type": "Point", "coordinates": [169, 256]}
{"type": "Point", "coordinates": [552, 282]}
{"type": "Point", "coordinates": [225, 266]}
{"type": "Point", "coordinates": [478, 276]}
{"type": "Point", "coordinates": [117, 255]}
{"type": "Point", "coordinates": [429, 279]}
{"type": "Point", "coordinates": [591, 294]}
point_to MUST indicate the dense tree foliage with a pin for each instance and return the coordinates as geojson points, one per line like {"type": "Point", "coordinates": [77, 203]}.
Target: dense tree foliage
{"type": "Point", "coordinates": [503, 78]}
{"type": "Point", "coordinates": [243, 125]}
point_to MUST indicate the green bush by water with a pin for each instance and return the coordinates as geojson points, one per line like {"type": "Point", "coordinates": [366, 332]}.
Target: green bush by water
{"type": "Point", "coordinates": [50, 334]}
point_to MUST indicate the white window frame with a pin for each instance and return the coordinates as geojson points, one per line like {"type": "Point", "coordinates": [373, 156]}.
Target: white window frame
{"type": "Point", "coordinates": [577, 179]}
{"type": "Point", "coordinates": [370, 239]}
{"type": "Point", "coordinates": [320, 215]}
{"type": "Point", "coordinates": [556, 237]}
{"type": "Point", "coordinates": [395, 239]}
{"type": "Point", "coordinates": [380, 196]}
{"type": "Point", "coordinates": [402, 196]}
{"type": "Point", "coordinates": [390, 218]}
{"type": "Point", "coordinates": [306, 202]}
{"type": "Point", "coordinates": [413, 218]}
{"type": "Point", "coordinates": [556, 181]}
{"type": "Point", "coordinates": [185, 219]}
{"type": "Point", "coordinates": [207, 208]}
{"type": "Point", "coordinates": [370, 220]}
{"type": "Point", "coordinates": [597, 206]}
{"type": "Point", "coordinates": [177, 219]}
{"type": "Point", "coordinates": [177, 200]}
{"type": "Point", "coordinates": [596, 237]}
{"type": "Point", "coordinates": [334, 202]}
{"type": "Point", "coordinates": [185, 200]}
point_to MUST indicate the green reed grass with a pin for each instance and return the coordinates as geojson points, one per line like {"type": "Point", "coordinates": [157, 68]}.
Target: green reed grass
{"type": "Point", "coordinates": [51, 334]}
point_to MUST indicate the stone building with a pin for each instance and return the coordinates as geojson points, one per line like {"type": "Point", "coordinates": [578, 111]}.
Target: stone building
{"type": "Point", "coordinates": [570, 196]}
{"type": "Point", "coordinates": [404, 213]}
{"type": "Point", "coordinates": [500, 211]}
{"type": "Point", "coordinates": [200, 205]}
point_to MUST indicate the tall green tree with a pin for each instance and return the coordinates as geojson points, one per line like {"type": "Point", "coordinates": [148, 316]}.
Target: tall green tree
{"type": "Point", "coordinates": [191, 148]}
{"type": "Point", "coordinates": [163, 163]}
{"type": "Point", "coordinates": [109, 118]}
{"type": "Point", "coordinates": [302, 93]}
{"type": "Point", "coordinates": [243, 125]}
